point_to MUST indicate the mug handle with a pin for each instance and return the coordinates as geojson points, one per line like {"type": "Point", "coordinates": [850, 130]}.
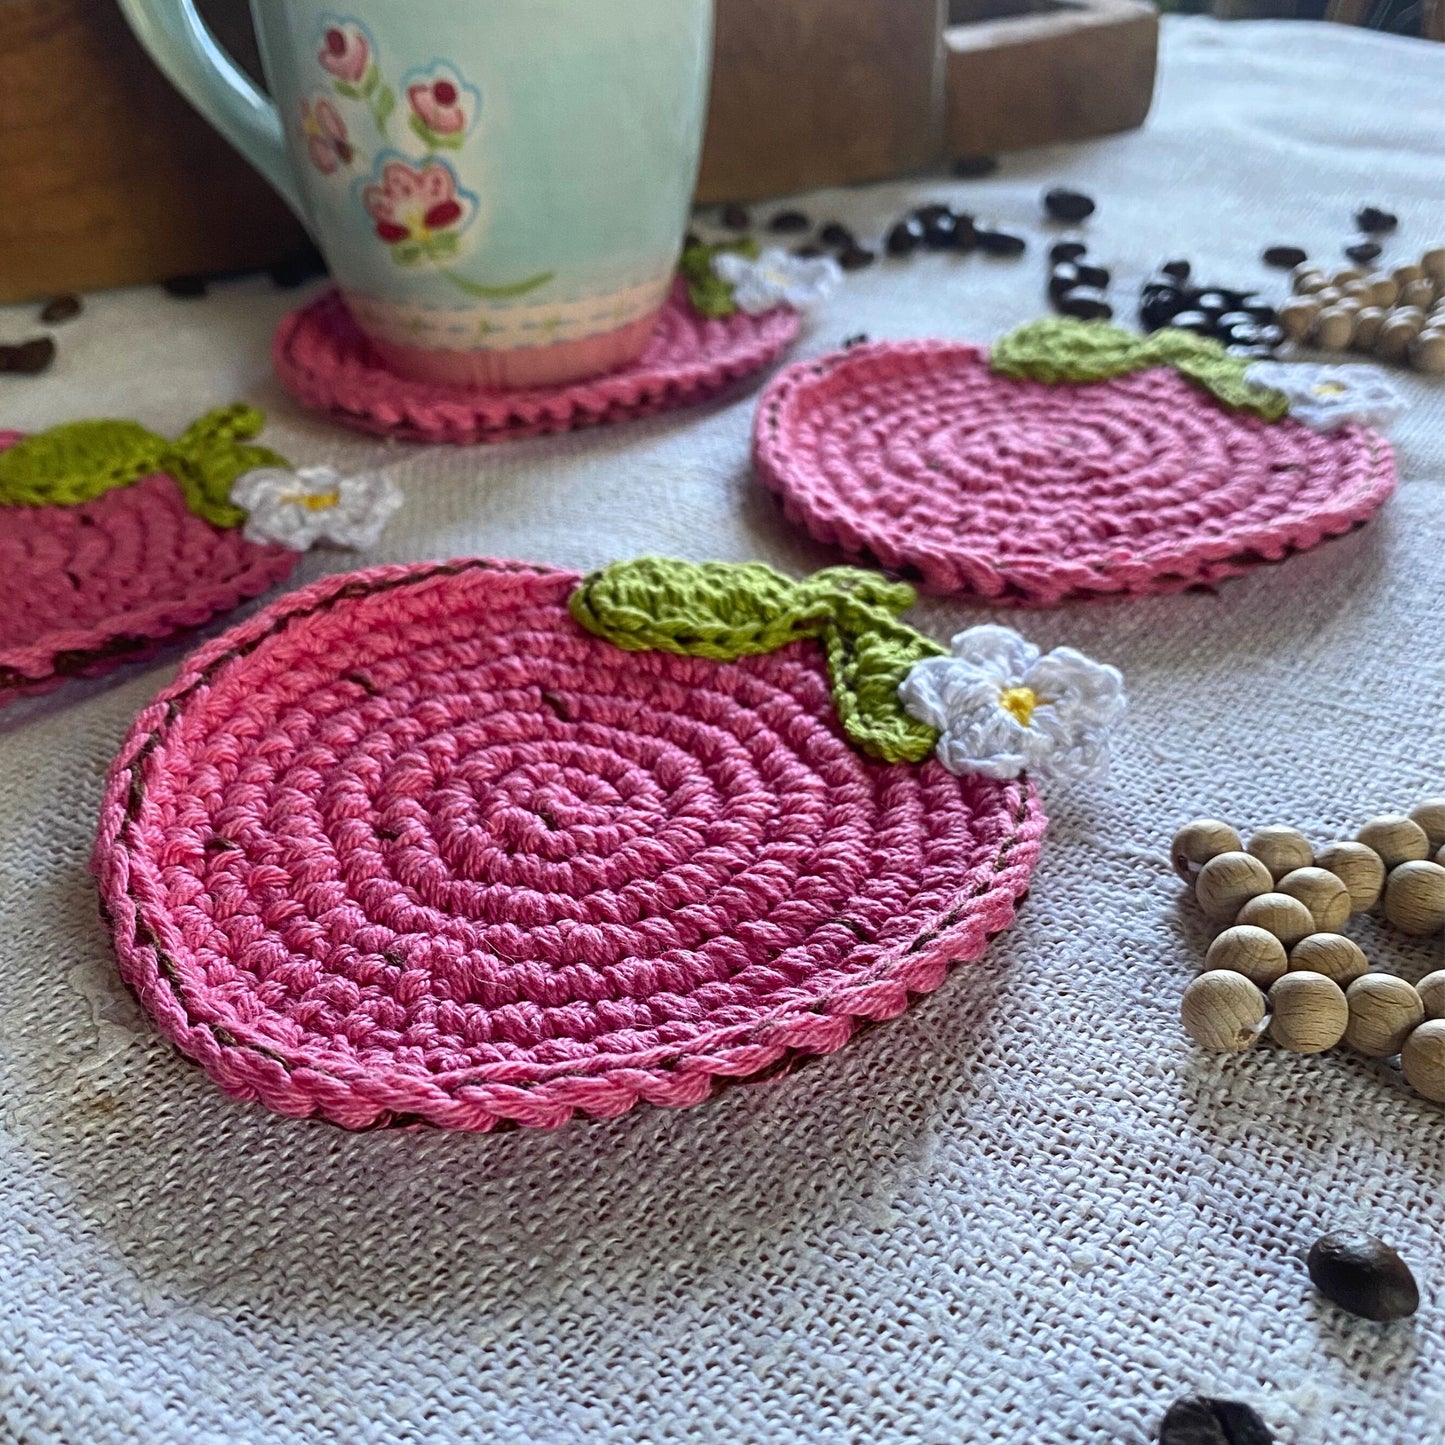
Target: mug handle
{"type": "Point", "coordinates": [178, 41]}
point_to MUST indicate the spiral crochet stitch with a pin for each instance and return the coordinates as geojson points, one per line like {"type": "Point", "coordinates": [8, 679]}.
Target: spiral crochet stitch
{"type": "Point", "coordinates": [413, 846]}
{"type": "Point", "coordinates": [324, 361]}
{"type": "Point", "coordinates": [922, 457]}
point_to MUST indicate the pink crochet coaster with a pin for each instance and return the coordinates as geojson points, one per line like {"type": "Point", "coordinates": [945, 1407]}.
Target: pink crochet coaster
{"type": "Point", "coordinates": [918, 456]}
{"type": "Point", "coordinates": [107, 580]}
{"type": "Point", "coordinates": [324, 361]}
{"type": "Point", "coordinates": [412, 846]}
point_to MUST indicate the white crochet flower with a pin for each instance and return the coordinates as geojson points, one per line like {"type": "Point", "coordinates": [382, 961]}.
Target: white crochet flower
{"type": "Point", "coordinates": [1002, 709]}
{"type": "Point", "coordinates": [1325, 397]}
{"type": "Point", "coordinates": [315, 504]}
{"type": "Point", "coordinates": [777, 279]}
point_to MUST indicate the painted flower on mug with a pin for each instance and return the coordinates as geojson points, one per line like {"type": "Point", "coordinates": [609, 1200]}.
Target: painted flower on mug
{"type": "Point", "coordinates": [326, 136]}
{"type": "Point", "coordinates": [346, 53]}
{"type": "Point", "coordinates": [419, 211]}
{"type": "Point", "coordinates": [443, 106]}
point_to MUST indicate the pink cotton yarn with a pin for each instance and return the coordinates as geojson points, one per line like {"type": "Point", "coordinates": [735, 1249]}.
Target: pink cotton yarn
{"type": "Point", "coordinates": [94, 585]}
{"type": "Point", "coordinates": [411, 846]}
{"type": "Point", "coordinates": [324, 361]}
{"type": "Point", "coordinates": [916, 455]}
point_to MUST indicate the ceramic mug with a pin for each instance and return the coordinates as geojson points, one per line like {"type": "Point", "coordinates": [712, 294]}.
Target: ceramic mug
{"type": "Point", "coordinates": [500, 187]}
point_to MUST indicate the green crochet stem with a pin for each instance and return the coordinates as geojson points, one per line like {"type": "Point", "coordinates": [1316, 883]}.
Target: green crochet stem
{"type": "Point", "coordinates": [710, 295]}
{"type": "Point", "coordinates": [727, 610]}
{"type": "Point", "coordinates": [81, 460]}
{"type": "Point", "coordinates": [1062, 349]}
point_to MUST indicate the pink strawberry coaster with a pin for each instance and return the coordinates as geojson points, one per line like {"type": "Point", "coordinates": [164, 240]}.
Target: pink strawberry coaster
{"type": "Point", "coordinates": [919, 456]}
{"type": "Point", "coordinates": [412, 846]}
{"type": "Point", "coordinates": [325, 362]}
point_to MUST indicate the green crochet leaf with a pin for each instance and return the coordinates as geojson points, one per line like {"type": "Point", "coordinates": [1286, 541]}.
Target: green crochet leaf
{"type": "Point", "coordinates": [82, 460]}
{"type": "Point", "coordinates": [725, 610]}
{"type": "Point", "coordinates": [710, 295]}
{"type": "Point", "coordinates": [1059, 349]}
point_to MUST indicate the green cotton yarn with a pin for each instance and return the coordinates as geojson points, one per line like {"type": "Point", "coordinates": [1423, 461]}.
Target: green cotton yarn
{"type": "Point", "coordinates": [80, 460]}
{"type": "Point", "coordinates": [709, 294]}
{"type": "Point", "coordinates": [727, 610]}
{"type": "Point", "coordinates": [1059, 348]}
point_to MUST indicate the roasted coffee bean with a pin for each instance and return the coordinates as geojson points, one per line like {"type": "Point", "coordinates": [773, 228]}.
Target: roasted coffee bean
{"type": "Point", "coordinates": [938, 231]}
{"type": "Point", "coordinates": [790, 221]}
{"type": "Point", "coordinates": [1375, 222]}
{"type": "Point", "coordinates": [1243, 333]}
{"type": "Point", "coordinates": [972, 166]}
{"type": "Point", "coordinates": [1093, 275]}
{"type": "Point", "coordinates": [1364, 251]}
{"type": "Point", "coordinates": [1063, 204]}
{"type": "Point", "coordinates": [932, 211]}
{"type": "Point", "coordinates": [905, 237]}
{"type": "Point", "coordinates": [1195, 321]}
{"type": "Point", "coordinates": [1160, 311]}
{"type": "Point", "coordinates": [1179, 270]}
{"type": "Point", "coordinates": [1199, 1420]}
{"type": "Point", "coordinates": [809, 252]}
{"type": "Point", "coordinates": [835, 233]}
{"type": "Point", "coordinates": [1001, 243]}
{"type": "Point", "coordinates": [735, 218]}
{"type": "Point", "coordinates": [1064, 277]}
{"type": "Point", "coordinates": [61, 308]}
{"type": "Point", "coordinates": [1066, 251]}
{"type": "Point", "coordinates": [1250, 352]}
{"type": "Point", "coordinates": [860, 339]}
{"type": "Point", "coordinates": [855, 258]}
{"type": "Point", "coordinates": [1087, 303]}
{"type": "Point", "coordinates": [1271, 335]}
{"type": "Point", "coordinates": [1214, 303]}
{"type": "Point", "coordinates": [1232, 320]}
{"type": "Point", "coordinates": [1363, 1275]}
{"type": "Point", "coordinates": [28, 358]}
{"type": "Point", "coordinates": [1260, 311]}
{"type": "Point", "coordinates": [185, 288]}
{"type": "Point", "coordinates": [1285, 257]}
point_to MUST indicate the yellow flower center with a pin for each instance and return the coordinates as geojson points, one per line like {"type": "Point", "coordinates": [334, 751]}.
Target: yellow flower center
{"type": "Point", "coordinates": [1021, 702]}
{"type": "Point", "coordinates": [314, 501]}
{"type": "Point", "coordinates": [1328, 388]}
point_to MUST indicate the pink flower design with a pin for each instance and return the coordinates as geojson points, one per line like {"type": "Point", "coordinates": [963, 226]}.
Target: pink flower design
{"type": "Point", "coordinates": [438, 105]}
{"type": "Point", "coordinates": [326, 136]}
{"type": "Point", "coordinates": [411, 207]}
{"type": "Point", "coordinates": [346, 53]}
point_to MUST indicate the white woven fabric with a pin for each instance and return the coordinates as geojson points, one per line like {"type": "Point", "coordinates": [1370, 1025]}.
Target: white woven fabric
{"type": "Point", "coordinates": [1027, 1211]}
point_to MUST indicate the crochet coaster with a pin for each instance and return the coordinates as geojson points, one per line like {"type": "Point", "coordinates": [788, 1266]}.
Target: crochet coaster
{"type": "Point", "coordinates": [106, 578]}
{"type": "Point", "coordinates": [412, 846]}
{"type": "Point", "coordinates": [921, 457]}
{"type": "Point", "coordinates": [324, 361]}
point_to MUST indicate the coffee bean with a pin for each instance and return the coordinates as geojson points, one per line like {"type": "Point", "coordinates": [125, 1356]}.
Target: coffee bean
{"type": "Point", "coordinates": [735, 218]}
{"type": "Point", "coordinates": [835, 233]}
{"type": "Point", "coordinates": [28, 358]}
{"type": "Point", "coordinates": [860, 339]}
{"type": "Point", "coordinates": [1231, 320]}
{"type": "Point", "coordinates": [1375, 222]}
{"type": "Point", "coordinates": [1179, 270]}
{"type": "Point", "coordinates": [938, 231]}
{"type": "Point", "coordinates": [970, 167]}
{"type": "Point", "coordinates": [809, 252]}
{"type": "Point", "coordinates": [1260, 311]}
{"type": "Point", "coordinates": [1160, 310]}
{"type": "Point", "coordinates": [1195, 321]}
{"type": "Point", "coordinates": [1064, 277]}
{"type": "Point", "coordinates": [185, 288]}
{"type": "Point", "coordinates": [61, 308]}
{"type": "Point", "coordinates": [790, 221]}
{"type": "Point", "coordinates": [1214, 303]}
{"type": "Point", "coordinates": [905, 237]}
{"type": "Point", "coordinates": [1066, 251]}
{"type": "Point", "coordinates": [1001, 243]}
{"type": "Point", "coordinates": [1199, 1420]}
{"type": "Point", "coordinates": [1063, 204]}
{"type": "Point", "coordinates": [1093, 275]}
{"type": "Point", "coordinates": [965, 234]}
{"type": "Point", "coordinates": [1087, 303]}
{"type": "Point", "coordinates": [1250, 352]}
{"type": "Point", "coordinates": [932, 211]}
{"type": "Point", "coordinates": [1286, 257]}
{"type": "Point", "coordinates": [1271, 335]}
{"type": "Point", "coordinates": [1363, 1275]}
{"type": "Point", "coordinates": [1364, 251]}
{"type": "Point", "coordinates": [855, 258]}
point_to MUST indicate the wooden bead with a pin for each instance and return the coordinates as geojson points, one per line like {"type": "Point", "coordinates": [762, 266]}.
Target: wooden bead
{"type": "Point", "coordinates": [1222, 1011]}
{"type": "Point", "coordinates": [1308, 1013]}
{"type": "Point", "coordinates": [1431, 989]}
{"type": "Point", "coordinates": [1432, 263]}
{"type": "Point", "coordinates": [1281, 849]}
{"type": "Point", "coordinates": [1308, 279]}
{"type": "Point", "coordinates": [1197, 842]}
{"type": "Point", "coordinates": [1440, 857]}
{"type": "Point", "coordinates": [1395, 838]}
{"type": "Point", "coordinates": [1329, 295]}
{"type": "Point", "coordinates": [1430, 815]}
{"type": "Point", "coordinates": [1359, 868]}
{"type": "Point", "coordinates": [1384, 1011]}
{"type": "Point", "coordinates": [1228, 881]}
{"type": "Point", "coordinates": [1419, 293]}
{"type": "Point", "coordinates": [1408, 273]}
{"type": "Point", "coordinates": [1257, 955]}
{"type": "Point", "coordinates": [1297, 317]}
{"type": "Point", "coordinates": [1415, 898]}
{"type": "Point", "coordinates": [1367, 327]}
{"type": "Point", "coordinates": [1334, 327]}
{"type": "Point", "coordinates": [1277, 913]}
{"type": "Point", "coordinates": [1427, 351]}
{"type": "Point", "coordinates": [1340, 959]}
{"type": "Point", "coordinates": [1423, 1059]}
{"type": "Point", "coordinates": [1385, 291]}
{"type": "Point", "coordinates": [1345, 275]}
{"type": "Point", "coordinates": [1327, 899]}
{"type": "Point", "coordinates": [1396, 334]}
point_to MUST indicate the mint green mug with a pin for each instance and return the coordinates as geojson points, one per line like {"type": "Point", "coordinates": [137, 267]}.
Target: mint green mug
{"type": "Point", "coordinates": [500, 187]}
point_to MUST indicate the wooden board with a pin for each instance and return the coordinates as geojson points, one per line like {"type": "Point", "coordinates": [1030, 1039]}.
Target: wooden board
{"type": "Point", "coordinates": [110, 177]}
{"type": "Point", "coordinates": [1030, 72]}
